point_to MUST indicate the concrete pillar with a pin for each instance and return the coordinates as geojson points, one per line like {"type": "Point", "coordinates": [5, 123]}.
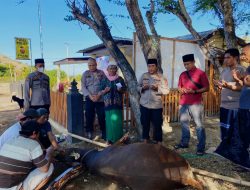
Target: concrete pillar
{"type": "Point", "coordinates": [75, 111]}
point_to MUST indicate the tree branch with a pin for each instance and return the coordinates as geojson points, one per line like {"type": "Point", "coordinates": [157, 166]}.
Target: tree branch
{"type": "Point", "coordinates": [83, 17]}
{"type": "Point", "coordinates": [156, 41]}
{"type": "Point", "coordinates": [181, 13]}
{"type": "Point", "coordinates": [184, 12]}
{"type": "Point", "coordinates": [141, 30]}
{"type": "Point", "coordinates": [149, 15]}
{"type": "Point", "coordinates": [150, 45]}
{"type": "Point", "coordinates": [96, 13]}
{"type": "Point", "coordinates": [94, 18]}
{"type": "Point", "coordinates": [225, 7]}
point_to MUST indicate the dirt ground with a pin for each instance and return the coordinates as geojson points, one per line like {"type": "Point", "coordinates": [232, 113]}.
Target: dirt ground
{"type": "Point", "coordinates": [8, 110]}
{"type": "Point", "coordinates": [172, 132]}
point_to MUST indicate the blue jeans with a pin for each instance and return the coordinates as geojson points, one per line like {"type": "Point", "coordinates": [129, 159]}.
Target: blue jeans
{"type": "Point", "coordinates": [196, 111]}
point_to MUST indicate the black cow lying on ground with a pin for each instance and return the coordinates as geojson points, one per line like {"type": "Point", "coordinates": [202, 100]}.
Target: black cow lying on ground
{"type": "Point", "coordinates": [139, 166]}
{"type": "Point", "coordinates": [19, 101]}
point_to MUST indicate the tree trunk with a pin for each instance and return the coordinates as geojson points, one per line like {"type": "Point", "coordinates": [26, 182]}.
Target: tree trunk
{"type": "Point", "coordinates": [150, 45]}
{"type": "Point", "coordinates": [130, 78]}
{"type": "Point", "coordinates": [155, 37]}
{"type": "Point", "coordinates": [228, 22]}
{"type": "Point", "coordinates": [205, 49]}
{"type": "Point", "coordinates": [99, 25]}
{"type": "Point", "coordinates": [183, 15]}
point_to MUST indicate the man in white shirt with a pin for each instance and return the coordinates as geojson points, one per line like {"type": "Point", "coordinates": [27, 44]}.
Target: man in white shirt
{"type": "Point", "coordinates": [22, 161]}
{"type": "Point", "coordinates": [13, 131]}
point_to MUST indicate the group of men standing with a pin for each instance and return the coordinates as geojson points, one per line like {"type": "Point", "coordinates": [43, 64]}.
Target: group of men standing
{"type": "Point", "coordinates": [192, 83]}
{"type": "Point", "coordinates": [234, 84]}
{"type": "Point", "coordinates": [151, 86]}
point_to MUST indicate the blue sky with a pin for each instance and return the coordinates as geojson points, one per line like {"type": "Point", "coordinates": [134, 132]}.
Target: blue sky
{"type": "Point", "coordinates": [22, 21]}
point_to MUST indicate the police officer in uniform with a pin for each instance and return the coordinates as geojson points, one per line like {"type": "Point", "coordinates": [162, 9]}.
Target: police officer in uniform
{"type": "Point", "coordinates": [91, 88]}
{"type": "Point", "coordinates": [37, 91]}
{"type": "Point", "coordinates": [151, 86]}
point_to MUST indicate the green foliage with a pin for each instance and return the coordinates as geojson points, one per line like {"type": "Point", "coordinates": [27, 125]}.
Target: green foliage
{"type": "Point", "coordinates": [69, 18]}
{"type": "Point", "coordinates": [5, 74]}
{"type": "Point", "coordinates": [205, 5]}
{"type": "Point", "coordinates": [53, 76]}
{"type": "Point", "coordinates": [3, 70]}
{"type": "Point", "coordinates": [241, 10]}
{"type": "Point", "coordinates": [169, 3]}
{"type": "Point", "coordinates": [163, 6]}
{"type": "Point", "coordinates": [25, 72]}
{"type": "Point", "coordinates": [12, 74]}
{"type": "Point", "coordinates": [9, 70]}
{"type": "Point", "coordinates": [117, 2]}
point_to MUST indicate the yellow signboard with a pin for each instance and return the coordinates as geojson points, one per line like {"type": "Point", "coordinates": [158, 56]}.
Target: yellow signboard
{"type": "Point", "coordinates": [22, 48]}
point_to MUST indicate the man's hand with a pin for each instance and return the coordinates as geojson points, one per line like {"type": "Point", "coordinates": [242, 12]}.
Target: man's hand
{"type": "Point", "coordinates": [247, 80]}
{"type": "Point", "coordinates": [145, 87]}
{"type": "Point", "coordinates": [96, 98]}
{"type": "Point", "coordinates": [186, 91]}
{"type": "Point", "coordinates": [190, 91]}
{"type": "Point", "coordinates": [49, 153]}
{"type": "Point", "coordinates": [218, 83]}
{"type": "Point", "coordinates": [91, 97]}
{"type": "Point", "coordinates": [236, 75]}
{"type": "Point", "coordinates": [226, 85]}
{"type": "Point", "coordinates": [183, 90]}
{"type": "Point", "coordinates": [154, 87]}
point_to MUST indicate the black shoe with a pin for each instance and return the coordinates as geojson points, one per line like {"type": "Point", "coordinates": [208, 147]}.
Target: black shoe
{"type": "Point", "coordinates": [178, 146]}
{"type": "Point", "coordinates": [200, 153]}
